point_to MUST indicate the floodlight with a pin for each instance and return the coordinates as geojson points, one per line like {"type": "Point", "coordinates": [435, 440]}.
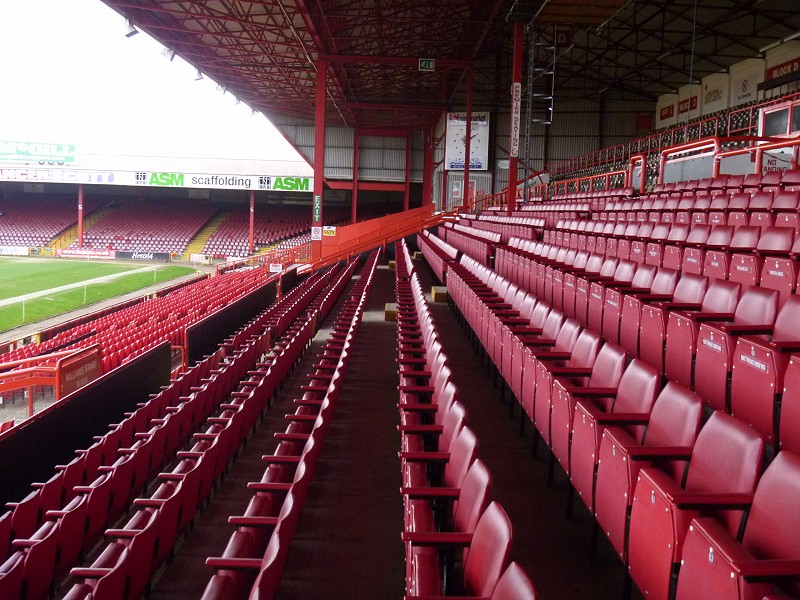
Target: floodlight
{"type": "Point", "coordinates": [130, 30]}
{"type": "Point", "coordinates": [169, 53]}
{"type": "Point", "coordinates": [222, 88]}
{"type": "Point", "coordinates": [198, 76]}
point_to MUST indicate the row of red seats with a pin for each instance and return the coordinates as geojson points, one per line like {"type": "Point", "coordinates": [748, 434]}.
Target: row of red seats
{"type": "Point", "coordinates": [178, 310]}
{"type": "Point", "coordinates": [433, 430]}
{"type": "Point", "coordinates": [644, 459]}
{"type": "Point", "coordinates": [253, 561]}
{"type": "Point", "coordinates": [123, 568]}
{"type": "Point", "coordinates": [506, 226]}
{"type": "Point", "coordinates": [639, 308]}
{"type": "Point", "coordinates": [437, 253]}
{"type": "Point", "coordinates": [35, 220]}
{"type": "Point", "coordinates": [133, 451]}
{"type": "Point", "coordinates": [479, 245]}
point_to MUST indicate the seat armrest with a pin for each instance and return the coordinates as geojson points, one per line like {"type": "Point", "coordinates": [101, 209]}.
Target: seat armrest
{"type": "Point", "coordinates": [425, 456]}
{"type": "Point", "coordinates": [700, 500]}
{"type": "Point", "coordinates": [591, 392]}
{"type": "Point", "coordinates": [748, 329]}
{"type": "Point", "coordinates": [419, 429]}
{"type": "Point", "coordinates": [247, 521]}
{"type": "Point", "coordinates": [659, 452]}
{"type": "Point", "coordinates": [705, 317]}
{"type": "Point", "coordinates": [248, 564]}
{"type": "Point", "coordinates": [423, 493]}
{"type": "Point", "coordinates": [437, 538]}
{"type": "Point", "coordinates": [791, 346]}
{"type": "Point", "coordinates": [621, 418]}
{"type": "Point", "coordinates": [767, 569]}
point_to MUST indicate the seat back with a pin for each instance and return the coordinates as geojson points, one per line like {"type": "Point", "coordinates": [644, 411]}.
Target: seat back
{"type": "Point", "coordinates": [608, 366]}
{"type": "Point", "coordinates": [625, 271]}
{"type": "Point", "coordinates": [776, 239]}
{"type": "Point", "coordinates": [637, 388]}
{"type": "Point", "coordinates": [757, 306]}
{"type": "Point", "coordinates": [462, 454]}
{"type": "Point", "coordinates": [488, 552]}
{"type": "Point", "coordinates": [790, 407]}
{"type": "Point", "coordinates": [722, 296]}
{"type": "Point", "coordinates": [726, 457]}
{"type": "Point", "coordinates": [674, 421]}
{"type": "Point", "coordinates": [720, 236]}
{"type": "Point", "coordinates": [664, 281]}
{"type": "Point", "coordinates": [474, 497]}
{"type": "Point", "coordinates": [745, 238]}
{"type": "Point", "coordinates": [585, 350]}
{"type": "Point", "coordinates": [691, 288]}
{"type": "Point", "coordinates": [452, 423]}
{"type": "Point", "coordinates": [698, 234]}
{"type": "Point", "coordinates": [644, 276]}
{"type": "Point", "coordinates": [514, 585]}
{"type": "Point", "coordinates": [770, 532]}
{"type": "Point", "coordinates": [553, 324]}
{"type": "Point", "coordinates": [567, 336]}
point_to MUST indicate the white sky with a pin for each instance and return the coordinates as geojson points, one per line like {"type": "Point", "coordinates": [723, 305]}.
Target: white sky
{"type": "Point", "coordinates": [68, 75]}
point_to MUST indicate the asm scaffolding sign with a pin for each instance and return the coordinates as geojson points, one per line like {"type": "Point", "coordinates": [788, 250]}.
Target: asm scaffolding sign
{"type": "Point", "coordinates": [157, 179]}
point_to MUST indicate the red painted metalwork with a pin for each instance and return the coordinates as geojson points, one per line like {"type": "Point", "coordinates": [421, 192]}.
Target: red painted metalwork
{"type": "Point", "coordinates": [251, 244]}
{"type": "Point", "coordinates": [407, 184]}
{"type": "Point", "coordinates": [266, 52]}
{"type": "Point", "coordinates": [319, 151]}
{"type": "Point", "coordinates": [516, 78]}
{"type": "Point", "coordinates": [80, 215]}
{"type": "Point", "coordinates": [354, 201]}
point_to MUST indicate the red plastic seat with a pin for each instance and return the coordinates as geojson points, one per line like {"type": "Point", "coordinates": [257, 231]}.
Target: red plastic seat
{"type": "Point", "coordinates": [723, 470]}
{"type": "Point", "coordinates": [755, 314]}
{"type": "Point", "coordinates": [746, 267]}
{"type": "Point", "coordinates": [717, 262]}
{"type": "Point", "coordinates": [487, 556]}
{"type": "Point", "coordinates": [672, 427]}
{"type": "Point", "coordinates": [642, 283]}
{"type": "Point", "coordinates": [623, 275]}
{"type": "Point", "coordinates": [694, 257]}
{"type": "Point", "coordinates": [652, 316]}
{"type": "Point", "coordinates": [716, 565]}
{"type": "Point", "coordinates": [603, 379]}
{"type": "Point", "coordinates": [760, 363]}
{"type": "Point", "coordinates": [780, 269]}
{"type": "Point", "coordinates": [718, 303]}
{"type": "Point", "coordinates": [635, 394]}
{"type": "Point", "coordinates": [537, 383]}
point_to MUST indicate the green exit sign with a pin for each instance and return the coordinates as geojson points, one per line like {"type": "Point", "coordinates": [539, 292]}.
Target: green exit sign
{"type": "Point", "coordinates": [427, 64]}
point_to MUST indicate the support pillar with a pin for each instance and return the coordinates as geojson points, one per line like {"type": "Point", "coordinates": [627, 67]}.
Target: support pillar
{"type": "Point", "coordinates": [465, 198]}
{"type": "Point", "coordinates": [407, 189]}
{"type": "Point", "coordinates": [252, 219]}
{"type": "Point", "coordinates": [354, 204]}
{"type": "Point", "coordinates": [516, 103]}
{"type": "Point", "coordinates": [319, 154]}
{"type": "Point", "coordinates": [427, 166]}
{"type": "Point", "coordinates": [80, 215]}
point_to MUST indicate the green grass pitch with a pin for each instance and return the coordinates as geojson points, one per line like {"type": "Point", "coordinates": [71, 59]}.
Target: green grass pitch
{"type": "Point", "coordinates": [20, 277]}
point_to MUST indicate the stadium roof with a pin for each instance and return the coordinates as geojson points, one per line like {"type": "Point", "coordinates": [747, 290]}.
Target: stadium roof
{"type": "Point", "coordinates": [266, 52]}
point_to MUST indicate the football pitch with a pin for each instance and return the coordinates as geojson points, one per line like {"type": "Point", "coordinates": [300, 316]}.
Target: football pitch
{"type": "Point", "coordinates": [43, 277]}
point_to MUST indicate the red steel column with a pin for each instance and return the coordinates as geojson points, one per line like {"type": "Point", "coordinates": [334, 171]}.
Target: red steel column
{"type": "Point", "coordinates": [319, 153]}
{"type": "Point", "coordinates": [80, 215]}
{"type": "Point", "coordinates": [407, 190]}
{"type": "Point", "coordinates": [354, 206]}
{"type": "Point", "coordinates": [467, 143]}
{"type": "Point", "coordinates": [252, 217]}
{"type": "Point", "coordinates": [516, 98]}
{"type": "Point", "coordinates": [427, 166]}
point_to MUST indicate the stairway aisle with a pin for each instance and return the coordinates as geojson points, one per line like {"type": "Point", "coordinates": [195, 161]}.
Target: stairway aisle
{"type": "Point", "coordinates": [348, 542]}
{"type": "Point", "coordinates": [554, 551]}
